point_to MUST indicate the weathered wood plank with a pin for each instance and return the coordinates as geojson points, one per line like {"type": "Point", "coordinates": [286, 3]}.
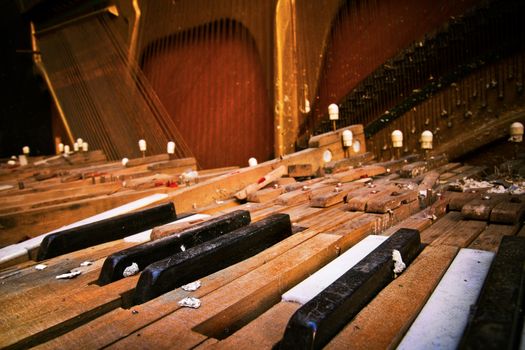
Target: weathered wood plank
{"type": "Point", "coordinates": [273, 322]}
{"type": "Point", "coordinates": [174, 163]}
{"type": "Point", "coordinates": [391, 201]}
{"type": "Point", "coordinates": [509, 211]}
{"type": "Point", "coordinates": [491, 237]}
{"type": "Point", "coordinates": [462, 235]}
{"type": "Point", "coordinates": [265, 194]}
{"type": "Point", "coordinates": [345, 163]}
{"type": "Point", "coordinates": [45, 314]}
{"type": "Point", "coordinates": [457, 200]}
{"type": "Point", "coordinates": [337, 195]}
{"type": "Point", "coordinates": [448, 222]}
{"type": "Point", "coordinates": [358, 173]}
{"type": "Point", "coordinates": [357, 200]}
{"type": "Point", "coordinates": [480, 208]}
{"type": "Point", "coordinates": [300, 170]}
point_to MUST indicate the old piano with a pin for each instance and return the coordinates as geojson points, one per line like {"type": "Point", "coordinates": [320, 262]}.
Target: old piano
{"type": "Point", "coordinates": [336, 174]}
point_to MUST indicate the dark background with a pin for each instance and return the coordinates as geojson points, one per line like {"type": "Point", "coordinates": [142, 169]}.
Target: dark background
{"type": "Point", "coordinates": [25, 104]}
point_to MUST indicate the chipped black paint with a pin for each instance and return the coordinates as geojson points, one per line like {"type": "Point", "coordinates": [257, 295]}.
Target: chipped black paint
{"type": "Point", "coordinates": [147, 253]}
{"type": "Point", "coordinates": [317, 321]}
{"type": "Point", "coordinates": [210, 257]}
{"type": "Point", "coordinates": [107, 230]}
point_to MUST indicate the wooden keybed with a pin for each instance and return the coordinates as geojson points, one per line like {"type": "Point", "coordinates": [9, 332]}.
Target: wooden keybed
{"type": "Point", "coordinates": [241, 304]}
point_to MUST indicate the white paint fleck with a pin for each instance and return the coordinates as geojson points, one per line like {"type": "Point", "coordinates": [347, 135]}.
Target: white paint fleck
{"type": "Point", "coordinates": [193, 286]}
{"type": "Point", "coordinates": [399, 265]}
{"type": "Point", "coordinates": [131, 270]}
{"type": "Point", "coordinates": [69, 275]}
{"type": "Point", "coordinates": [192, 302]}
{"type": "Point", "coordinates": [40, 267]}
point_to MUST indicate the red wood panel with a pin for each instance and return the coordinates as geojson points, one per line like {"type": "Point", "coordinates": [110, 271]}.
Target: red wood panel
{"type": "Point", "coordinates": [211, 82]}
{"type": "Point", "coordinates": [366, 33]}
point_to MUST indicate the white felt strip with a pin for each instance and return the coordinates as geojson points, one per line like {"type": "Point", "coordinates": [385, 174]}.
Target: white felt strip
{"type": "Point", "coordinates": [316, 283]}
{"type": "Point", "coordinates": [441, 322]}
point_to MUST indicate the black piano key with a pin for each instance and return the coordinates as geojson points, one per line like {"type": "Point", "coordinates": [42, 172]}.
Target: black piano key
{"type": "Point", "coordinates": [147, 253]}
{"type": "Point", "coordinates": [317, 321]}
{"type": "Point", "coordinates": [106, 230]}
{"type": "Point", "coordinates": [212, 256]}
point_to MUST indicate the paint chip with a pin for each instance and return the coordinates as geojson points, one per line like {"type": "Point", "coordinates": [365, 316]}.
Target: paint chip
{"type": "Point", "coordinates": [131, 270]}
{"type": "Point", "coordinates": [190, 302]}
{"type": "Point", "coordinates": [399, 265]}
{"type": "Point", "coordinates": [190, 287]}
{"type": "Point", "coordinates": [69, 275]}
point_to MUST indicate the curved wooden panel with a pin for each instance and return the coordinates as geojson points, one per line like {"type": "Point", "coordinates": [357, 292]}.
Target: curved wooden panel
{"type": "Point", "coordinates": [211, 81]}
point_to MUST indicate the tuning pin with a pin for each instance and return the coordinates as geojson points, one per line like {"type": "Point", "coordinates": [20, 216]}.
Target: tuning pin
{"type": "Point", "coordinates": [60, 147]}
{"type": "Point", "coordinates": [85, 146]}
{"type": "Point", "coordinates": [125, 161]}
{"type": "Point", "coordinates": [397, 139]}
{"type": "Point", "coordinates": [347, 138]}
{"type": "Point", "coordinates": [171, 147]}
{"type": "Point", "coordinates": [516, 132]}
{"type": "Point", "coordinates": [25, 150]}
{"type": "Point", "coordinates": [142, 145]}
{"type": "Point", "coordinates": [426, 139]}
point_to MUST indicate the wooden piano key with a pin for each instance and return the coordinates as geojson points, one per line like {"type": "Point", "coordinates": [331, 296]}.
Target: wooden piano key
{"type": "Point", "coordinates": [46, 315]}
{"type": "Point", "coordinates": [510, 211]}
{"type": "Point", "coordinates": [357, 200]}
{"type": "Point", "coordinates": [490, 238]}
{"type": "Point", "coordinates": [480, 208]}
{"type": "Point", "coordinates": [462, 235]}
{"type": "Point", "coordinates": [265, 194]}
{"type": "Point", "coordinates": [458, 199]}
{"type": "Point", "coordinates": [337, 195]}
{"type": "Point", "coordinates": [343, 164]}
{"type": "Point", "coordinates": [390, 201]}
{"type": "Point", "coordinates": [358, 173]}
{"type": "Point", "coordinates": [447, 222]}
